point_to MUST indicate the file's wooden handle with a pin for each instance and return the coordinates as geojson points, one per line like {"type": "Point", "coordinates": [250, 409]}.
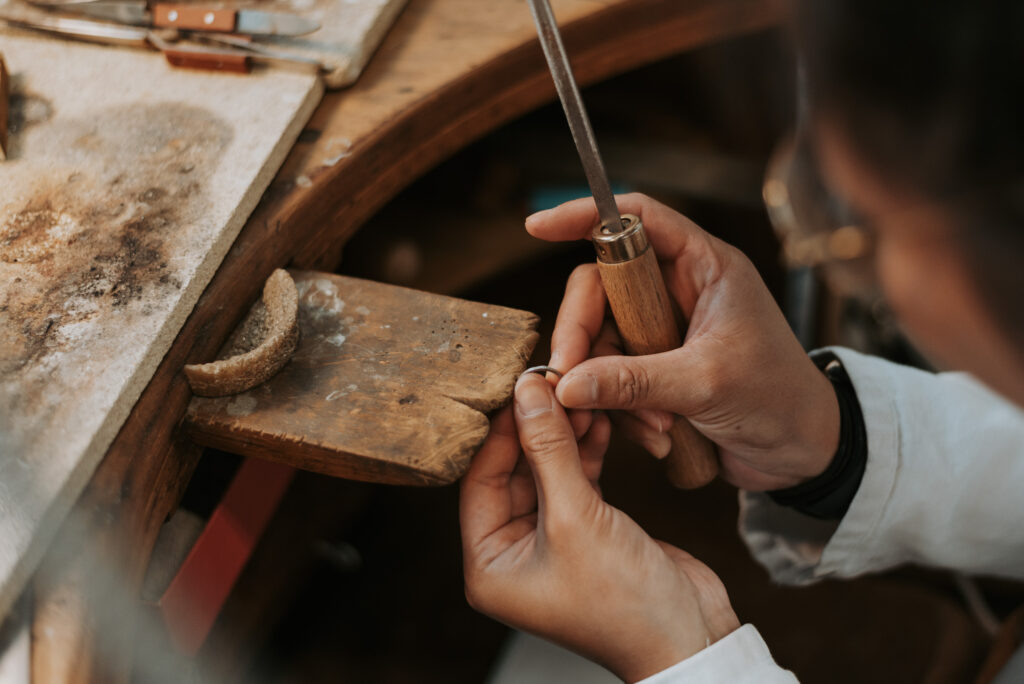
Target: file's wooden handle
{"type": "Point", "coordinates": [643, 313]}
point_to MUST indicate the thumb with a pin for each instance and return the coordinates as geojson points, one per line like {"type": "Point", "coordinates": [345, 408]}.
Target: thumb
{"type": "Point", "coordinates": [549, 445]}
{"type": "Point", "coordinates": [663, 381]}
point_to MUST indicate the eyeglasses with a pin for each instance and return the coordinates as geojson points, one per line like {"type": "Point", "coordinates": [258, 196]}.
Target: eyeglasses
{"type": "Point", "coordinates": [816, 228]}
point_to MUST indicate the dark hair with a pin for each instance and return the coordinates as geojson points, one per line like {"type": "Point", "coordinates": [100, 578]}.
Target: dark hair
{"type": "Point", "coordinates": [932, 94]}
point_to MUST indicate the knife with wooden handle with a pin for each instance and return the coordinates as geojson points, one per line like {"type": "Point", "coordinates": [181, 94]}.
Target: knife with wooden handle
{"type": "Point", "coordinates": [186, 17]}
{"type": "Point", "coordinates": [629, 268]}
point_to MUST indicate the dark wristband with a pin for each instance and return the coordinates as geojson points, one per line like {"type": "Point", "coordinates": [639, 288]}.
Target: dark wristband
{"type": "Point", "coordinates": [828, 495]}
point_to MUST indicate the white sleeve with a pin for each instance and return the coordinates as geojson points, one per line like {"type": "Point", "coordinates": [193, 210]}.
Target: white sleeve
{"type": "Point", "coordinates": [739, 658]}
{"type": "Point", "coordinates": [943, 484]}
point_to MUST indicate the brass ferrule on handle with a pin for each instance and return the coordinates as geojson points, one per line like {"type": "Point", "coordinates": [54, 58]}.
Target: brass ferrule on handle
{"type": "Point", "coordinates": [615, 247]}
{"type": "Point", "coordinates": [646, 320]}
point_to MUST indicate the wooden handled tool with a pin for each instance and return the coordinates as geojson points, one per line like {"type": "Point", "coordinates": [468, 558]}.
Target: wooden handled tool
{"type": "Point", "coordinates": [643, 313]}
{"type": "Point", "coordinates": [629, 268]}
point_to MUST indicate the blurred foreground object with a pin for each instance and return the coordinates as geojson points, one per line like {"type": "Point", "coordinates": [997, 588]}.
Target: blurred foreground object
{"type": "Point", "coordinates": [5, 94]}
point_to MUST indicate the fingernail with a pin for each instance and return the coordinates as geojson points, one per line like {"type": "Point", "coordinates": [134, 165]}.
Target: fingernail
{"type": "Point", "coordinates": [579, 391]}
{"type": "Point", "coordinates": [659, 446]}
{"type": "Point", "coordinates": [534, 216]}
{"type": "Point", "coordinates": [651, 418]}
{"type": "Point", "coordinates": [556, 361]}
{"type": "Point", "coordinates": [532, 396]}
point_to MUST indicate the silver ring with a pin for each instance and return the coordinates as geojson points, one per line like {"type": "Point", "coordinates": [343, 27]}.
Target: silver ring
{"type": "Point", "coordinates": [542, 370]}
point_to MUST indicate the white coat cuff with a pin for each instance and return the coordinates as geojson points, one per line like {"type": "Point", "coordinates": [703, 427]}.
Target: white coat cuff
{"type": "Point", "coordinates": [739, 658]}
{"type": "Point", "coordinates": [799, 549]}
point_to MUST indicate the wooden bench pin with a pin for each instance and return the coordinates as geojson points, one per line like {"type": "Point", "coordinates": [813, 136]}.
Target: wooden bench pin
{"type": "Point", "coordinates": [387, 384]}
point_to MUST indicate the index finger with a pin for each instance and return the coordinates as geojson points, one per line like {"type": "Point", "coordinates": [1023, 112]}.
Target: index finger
{"type": "Point", "coordinates": [668, 231]}
{"type": "Point", "coordinates": [579, 320]}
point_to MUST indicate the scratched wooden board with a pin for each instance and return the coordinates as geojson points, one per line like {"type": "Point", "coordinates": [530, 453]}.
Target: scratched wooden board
{"type": "Point", "coordinates": [387, 384]}
{"type": "Point", "coordinates": [125, 184]}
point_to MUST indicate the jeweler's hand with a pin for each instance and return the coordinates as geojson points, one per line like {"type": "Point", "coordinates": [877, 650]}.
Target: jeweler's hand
{"type": "Point", "coordinates": [544, 553]}
{"type": "Point", "coordinates": [741, 377]}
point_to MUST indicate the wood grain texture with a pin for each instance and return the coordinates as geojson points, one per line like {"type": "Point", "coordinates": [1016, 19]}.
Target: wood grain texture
{"type": "Point", "coordinates": [643, 313]}
{"type": "Point", "coordinates": [86, 589]}
{"type": "Point", "coordinates": [452, 71]}
{"type": "Point", "coordinates": [449, 71]}
{"type": "Point", "coordinates": [387, 384]}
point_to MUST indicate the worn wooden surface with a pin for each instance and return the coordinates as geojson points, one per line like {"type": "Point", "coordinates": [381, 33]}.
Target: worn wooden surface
{"type": "Point", "coordinates": [387, 384]}
{"type": "Point", "coordinates": [449, 71]}
{"type": "Point", "coordinates": [126, 183]}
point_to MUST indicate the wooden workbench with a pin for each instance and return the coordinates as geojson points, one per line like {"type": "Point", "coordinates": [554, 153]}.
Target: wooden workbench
{"type": "Point", "coordinates": [449, 72]}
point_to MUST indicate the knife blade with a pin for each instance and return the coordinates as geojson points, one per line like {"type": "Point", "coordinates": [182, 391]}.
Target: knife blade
{"type": "Point", "coordinates": [273, 24]}
{"type": "Point", "coordinates": [189, 17]}
{"type": "Point", "coordinates": [576, 114]}
{"type": "Point", "coordinates": [82, 29]}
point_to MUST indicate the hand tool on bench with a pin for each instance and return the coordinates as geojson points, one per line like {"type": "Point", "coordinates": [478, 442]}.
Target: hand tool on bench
{"type": "Point", "coordinates": [228, 52]}
{"type": "Point", "coordinates": [629, 269]}
{"type": "Point", "coordinates": [186, 17]}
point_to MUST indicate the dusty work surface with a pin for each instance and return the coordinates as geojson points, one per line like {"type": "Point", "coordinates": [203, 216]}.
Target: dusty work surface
{"type": "Point", "coordinates": [387, 384]}
{"type": "Point", "coordinates": [125, 185]}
